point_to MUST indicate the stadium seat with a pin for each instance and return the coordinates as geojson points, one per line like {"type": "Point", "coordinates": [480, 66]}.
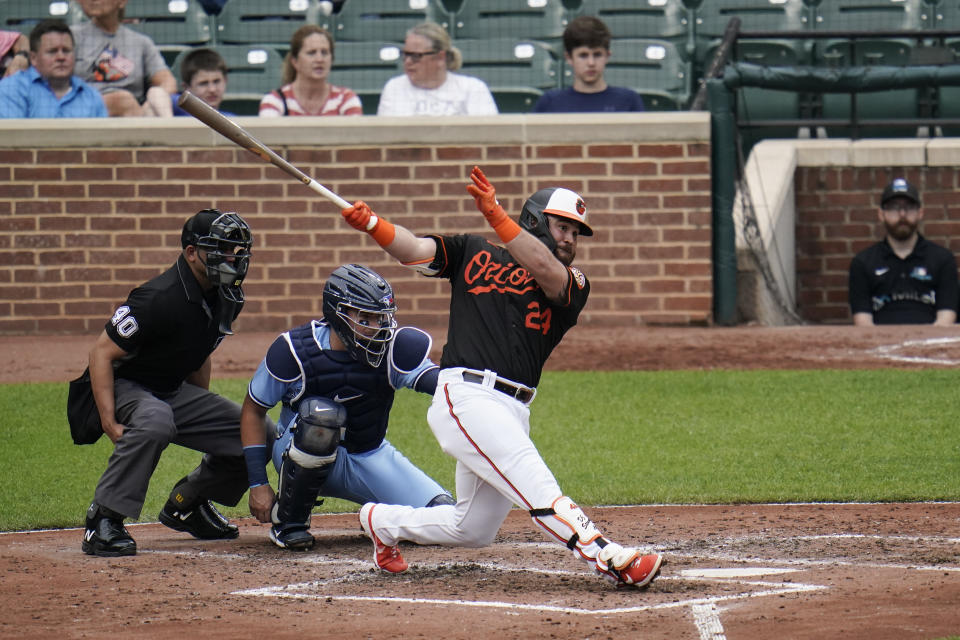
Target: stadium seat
{"type": "Point", "coordinates": [662, 20]}
{"type": "Point", "coordinates": [945, 15]}
{"type": "Point", "coordinates": [381, 21]}
{"type": "Point", "coordinates": [711, 19]}
{"type": "Point", "coordinates": [892, 104]}
{"type": "Point", "coordinates": [23, 15]}
{"type": "Point", "coordinates": [365, 67]}
{"type": "Point", "coordinates": [867, 15]}
{"type": "Point", "coordinates": [755, 104]}
{"type": "Point", "coordinates": [173, 25]}
{"type": "Point", "coordinates": [853, 16]}
{"type": "Point", "coordinates": [541, 20]}
{"type": "Point", "coordinates": [653, 68]}
{"type": "Point", "coordinates": [517, 71]}
{"type": "Point", "coordinates": [252, 71]}
{"type": "Point", "coordinates": [267, 23]}
{"type": "Point", "coordinates": [870, 15]}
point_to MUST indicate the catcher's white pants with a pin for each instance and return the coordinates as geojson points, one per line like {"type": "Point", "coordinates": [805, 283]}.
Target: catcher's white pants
{"type": "Point", "coordinates": [497, 466]}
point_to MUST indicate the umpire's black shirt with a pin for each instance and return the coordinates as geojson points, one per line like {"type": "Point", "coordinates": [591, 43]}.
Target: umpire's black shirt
{"type": "Point", "coordinates": [903, 291]}
{"type": "Point", "coordinates": [168, 326]}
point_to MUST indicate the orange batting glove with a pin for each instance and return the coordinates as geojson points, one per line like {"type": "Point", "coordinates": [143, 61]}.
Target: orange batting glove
{"type": "Point", "coordinates": [486, 198]}
{"type": "Point", "coordinates": [362, 218]}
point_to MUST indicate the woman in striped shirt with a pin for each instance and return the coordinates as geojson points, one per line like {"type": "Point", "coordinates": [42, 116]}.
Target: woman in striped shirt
{"type": "Point", "coordinates": [306, 89]}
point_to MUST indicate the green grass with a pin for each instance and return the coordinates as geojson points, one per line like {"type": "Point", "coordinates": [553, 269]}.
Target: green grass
{"type": "Point", "coordinates": [609, 437]}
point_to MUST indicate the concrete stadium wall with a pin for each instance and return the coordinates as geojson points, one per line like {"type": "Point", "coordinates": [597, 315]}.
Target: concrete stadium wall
{"type": "Point", "coordinates": [91, 208]}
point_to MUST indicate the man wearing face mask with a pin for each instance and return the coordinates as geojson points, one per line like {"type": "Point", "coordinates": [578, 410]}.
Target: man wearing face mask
{"type": "Point", "coordinates": [150, 375]}
{"type": "Point", "coordinates": [905, 278]}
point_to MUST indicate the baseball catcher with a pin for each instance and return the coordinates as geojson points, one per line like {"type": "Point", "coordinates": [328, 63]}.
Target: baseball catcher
{"type": "Point", "coordinates": [336, 380]}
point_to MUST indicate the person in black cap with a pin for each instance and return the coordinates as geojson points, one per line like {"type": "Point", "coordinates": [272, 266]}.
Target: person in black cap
{"type": "Point", "coordinates": [150, 373]}
{"type": "Point", "coordinates": [904, 279]}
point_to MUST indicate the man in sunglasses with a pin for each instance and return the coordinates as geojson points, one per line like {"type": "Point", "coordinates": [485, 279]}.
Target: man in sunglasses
{"type": "Point", "coordinates": [905, 278]}
{"type": "Point", "coordinates": [149, 371]}
{"type": "Point", "coordinates": [429, 87]}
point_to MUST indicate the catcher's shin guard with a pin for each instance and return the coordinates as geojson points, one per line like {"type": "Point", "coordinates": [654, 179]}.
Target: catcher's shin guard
{"type": "Point", "coordinates": [298, 491]}
{"type": "Point", "coordinates": [309, 459]}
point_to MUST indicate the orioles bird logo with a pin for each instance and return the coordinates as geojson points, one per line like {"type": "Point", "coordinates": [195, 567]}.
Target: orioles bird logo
{"type": "Point", "coordinates": [581, 208]}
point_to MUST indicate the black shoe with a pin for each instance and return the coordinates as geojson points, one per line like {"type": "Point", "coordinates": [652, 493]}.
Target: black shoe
{"type": "Point", "coordinates": [106, 536]}
{"type": "Point", "coordinates": [202, 521]}
{"type": "Point", "coordinates": [291, 536]}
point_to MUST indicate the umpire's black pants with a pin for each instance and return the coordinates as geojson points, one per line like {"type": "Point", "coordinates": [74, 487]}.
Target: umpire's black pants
{"type": "Point", "coordinates": [191, 417]}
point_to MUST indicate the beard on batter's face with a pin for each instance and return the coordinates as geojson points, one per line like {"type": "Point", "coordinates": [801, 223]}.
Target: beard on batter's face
{"type": "Point", "coordinates": [565, 254]}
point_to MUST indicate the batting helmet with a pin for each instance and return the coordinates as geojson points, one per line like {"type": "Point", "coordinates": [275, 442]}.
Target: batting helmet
{"type": "Point", "coordinates": [352, 294]}
{"type": "Point", "coordinates": [555, 201]}
{"type": "Point", "coordinates": [226, 239]}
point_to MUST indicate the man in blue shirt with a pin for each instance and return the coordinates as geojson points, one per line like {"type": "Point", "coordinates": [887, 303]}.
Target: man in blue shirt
{"type": "Point", "coordinates": [586, 45]}
{"type": "Point", "coordinates": [48, 89]}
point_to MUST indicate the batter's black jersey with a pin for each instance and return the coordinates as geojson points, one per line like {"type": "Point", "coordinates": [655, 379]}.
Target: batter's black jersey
{"type": "Point", "coordinates": [903, 291]}
{"type": "Point", "coordinates": [500, 318]}
{"type": "Point", "coordinates": [168, 326]}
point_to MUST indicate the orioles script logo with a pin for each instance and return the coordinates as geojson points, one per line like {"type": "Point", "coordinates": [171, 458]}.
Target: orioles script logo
{"type": "Point", "coordinates": [484, 275]}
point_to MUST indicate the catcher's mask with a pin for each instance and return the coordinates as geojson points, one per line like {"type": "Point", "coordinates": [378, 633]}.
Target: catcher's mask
{"type": "Point", "coordinates": [358, 303]}
{"type": "Point", "coordinates": [555, 201]}
{"type": "Point", "coordinates": [226, 239]}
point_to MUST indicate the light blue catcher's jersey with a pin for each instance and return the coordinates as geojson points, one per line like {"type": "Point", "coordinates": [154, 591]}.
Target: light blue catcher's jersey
{"type": "Point", "coordinates": [267, 389]}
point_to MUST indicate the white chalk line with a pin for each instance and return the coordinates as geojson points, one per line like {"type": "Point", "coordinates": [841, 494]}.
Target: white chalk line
{"type": "Point", "coordinates": [707, 619]}
{"type": "Point", "coordinates": [301, 591]}
{"type": "Point", "coordinates": [706, 615]}
{"type": "Point", "coordinates": [889, 352]}
{"type": "Point", "coordinates": [666, 548]}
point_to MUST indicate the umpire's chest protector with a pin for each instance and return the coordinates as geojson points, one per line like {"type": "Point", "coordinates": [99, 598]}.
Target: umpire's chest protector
{"type": "Point", "coordinates": [364, 391]}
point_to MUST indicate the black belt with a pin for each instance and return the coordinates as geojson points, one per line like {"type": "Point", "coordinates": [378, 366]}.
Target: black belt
{"type": "Point", "coordinates": [521, 393]}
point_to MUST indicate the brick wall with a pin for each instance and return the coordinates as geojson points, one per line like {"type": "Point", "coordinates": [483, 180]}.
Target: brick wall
{"type": "Point", "coordinates": [837, 217]}
{"type": "Point", "coordinates": [84, 218]}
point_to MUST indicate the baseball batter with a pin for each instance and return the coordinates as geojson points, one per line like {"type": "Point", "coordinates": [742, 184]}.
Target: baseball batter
{"type": "Point", "coordinates": [509, 307]}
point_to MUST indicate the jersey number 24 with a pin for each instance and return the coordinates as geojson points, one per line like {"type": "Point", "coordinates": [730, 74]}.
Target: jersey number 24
{"type": "Point", "coordinates": [538, 320]}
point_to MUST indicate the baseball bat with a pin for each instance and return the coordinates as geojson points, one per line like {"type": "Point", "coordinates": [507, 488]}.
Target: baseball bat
{"type": "Point", "coordinates": [239, 136]}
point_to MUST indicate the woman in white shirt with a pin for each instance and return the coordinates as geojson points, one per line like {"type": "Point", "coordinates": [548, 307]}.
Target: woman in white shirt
{"type": "Point", "coordinates": [429, 87]}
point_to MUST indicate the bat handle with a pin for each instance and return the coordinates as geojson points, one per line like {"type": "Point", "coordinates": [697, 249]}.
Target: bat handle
{"type": "Point", "coordinates": [329, 195]}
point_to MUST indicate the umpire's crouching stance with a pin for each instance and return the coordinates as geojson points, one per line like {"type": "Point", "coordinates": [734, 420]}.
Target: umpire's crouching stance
{"type": "Point", "coordinates": [150, 373]}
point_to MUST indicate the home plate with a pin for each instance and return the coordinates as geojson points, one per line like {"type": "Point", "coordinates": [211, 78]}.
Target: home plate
{"type": "Point", "coordinates": [733, 572]}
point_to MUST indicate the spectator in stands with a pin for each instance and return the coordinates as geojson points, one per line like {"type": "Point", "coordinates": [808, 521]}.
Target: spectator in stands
{"type": "Point", "coordinates": [48, 88]}
{"type": "Point", "coordinates": [429, 87]}
{"type": "Point", "coordinates": [306, 89]}
{"type": "Point", "coordinates": [14, 52]}
{"type": "Point", "coordinates": [905, 278]}
{"type": "Point", "coordinates": [203, 72]}
{"type": "Point", "coordinates": [586, 46]}
{"type": "Point", "coordinates": [124, 65]}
